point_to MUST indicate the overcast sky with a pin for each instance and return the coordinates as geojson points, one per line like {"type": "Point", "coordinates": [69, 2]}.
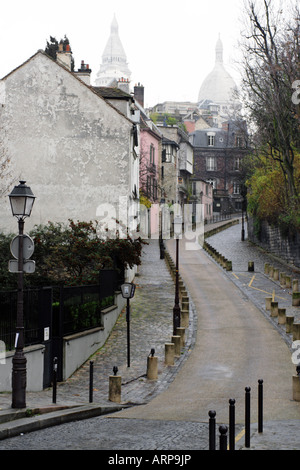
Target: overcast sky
{"type": "Point", "coordinates": [170, 45]}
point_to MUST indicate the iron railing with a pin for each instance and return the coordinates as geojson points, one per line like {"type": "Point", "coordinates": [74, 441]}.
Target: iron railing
{"type": "Point", "coordinates": [66, 310]}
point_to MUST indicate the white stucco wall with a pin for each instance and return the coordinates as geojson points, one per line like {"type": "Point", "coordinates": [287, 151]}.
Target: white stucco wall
{"type": "Point", "coordinates": [70, 146]}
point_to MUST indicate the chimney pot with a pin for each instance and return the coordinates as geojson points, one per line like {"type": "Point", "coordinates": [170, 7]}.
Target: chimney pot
{"type": "Point", "coordinates": [139, 94]}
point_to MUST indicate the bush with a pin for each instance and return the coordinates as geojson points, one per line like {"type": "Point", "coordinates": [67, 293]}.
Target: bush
{"type": "Point", "coordinates": [71, 254]}
{"type": "Point", "coordinates": [267, 196]}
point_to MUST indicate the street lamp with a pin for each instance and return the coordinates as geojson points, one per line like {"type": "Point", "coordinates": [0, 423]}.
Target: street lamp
{"type": "Point", "coordinates": [128, 290]}
{"type": "Point", "coordinates": [176, 308]}
{"type": "Point", "coordinates": [21, 201]}
{"type": "Point", "coordinates": [243, 194]}
{"type": "Point", "coordinates": [161, 240]}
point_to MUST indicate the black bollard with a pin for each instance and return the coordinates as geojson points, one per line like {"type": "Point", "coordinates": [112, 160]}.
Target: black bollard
{"type": "Point", "coordinates": [247, 417]}
{"type": "Point", "coordinates": [54, 384]}
{"type": "Point", "coordinates": [260, 405]}
{"type": "Point", "coordinates": [91, 381]}
{"type": "Point", "coordinates": [223, 437]}
{"type": "Point", "coordinates": [212, 430]}
{"type": "Point", "coordinates": [231, 424]}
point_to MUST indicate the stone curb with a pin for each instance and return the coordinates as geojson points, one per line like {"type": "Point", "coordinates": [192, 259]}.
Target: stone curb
{"type": "Point", "coordinates": [16, 425]}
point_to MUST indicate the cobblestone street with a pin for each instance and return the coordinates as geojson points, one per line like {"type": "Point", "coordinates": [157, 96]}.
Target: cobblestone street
{"type": "Point", "coordinates": [151, 327]}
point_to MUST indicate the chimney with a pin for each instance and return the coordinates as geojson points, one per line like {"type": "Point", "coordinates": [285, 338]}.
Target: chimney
{"type": "Point", "coordinates": [123, 84]}
{"type": "Point", "coordinates": [64, 57]}
{"type": "Point", "coordinates": [139, 94]}
{"type": "Point", "coordinates": [84, 73]}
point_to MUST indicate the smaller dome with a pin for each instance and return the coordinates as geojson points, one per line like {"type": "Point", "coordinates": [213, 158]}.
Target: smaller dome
{"type": "Point", "coordinates": [218, 86]}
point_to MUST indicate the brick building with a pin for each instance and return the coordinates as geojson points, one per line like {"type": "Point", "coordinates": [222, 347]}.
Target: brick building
{"type": "Point", "coordinates": [218, 156]}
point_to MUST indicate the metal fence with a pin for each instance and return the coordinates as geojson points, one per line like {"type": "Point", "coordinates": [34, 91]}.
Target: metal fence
{"type": "Point", "coordinates": [65, 310]}
{"type": "Point", "coordinates": [8, 308]}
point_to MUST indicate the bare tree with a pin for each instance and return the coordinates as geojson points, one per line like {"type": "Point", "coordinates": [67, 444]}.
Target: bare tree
{"type": "Point", "coordinates": [271, 54]}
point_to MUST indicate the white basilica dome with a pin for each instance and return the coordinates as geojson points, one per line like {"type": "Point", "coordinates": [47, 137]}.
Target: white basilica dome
{"type": "Point", "coordinates": [218, 87]}
{"type": "Point", "coordinates": [114, 62]}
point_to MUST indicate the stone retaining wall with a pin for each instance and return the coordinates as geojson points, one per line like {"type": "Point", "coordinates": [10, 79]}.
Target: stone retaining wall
{"type": "Point", "coordinates": [271, 239]}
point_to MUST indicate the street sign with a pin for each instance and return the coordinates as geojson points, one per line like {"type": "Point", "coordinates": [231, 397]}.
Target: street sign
{"type": "Point", "coordinates": [28, 266]}
{"type": "Point", "coordinates": [28, 247]}
{"type": "Point", "coordinates": [46, 333]}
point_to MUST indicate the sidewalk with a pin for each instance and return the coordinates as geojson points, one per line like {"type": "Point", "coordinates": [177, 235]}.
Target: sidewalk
{"type": "Point", "coordinates": [150, 327]}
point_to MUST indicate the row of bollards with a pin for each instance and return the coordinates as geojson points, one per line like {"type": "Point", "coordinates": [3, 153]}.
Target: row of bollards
{"type": "Point", "coordinates": [223, 429]}
{"type": "Point", "coordinates": [291, 327]}
{"type": "Point", "coordinates": [173, 348]}
{"type": "Point", "coordinates": [218, 257]}
{"type": "Point", "coordinates": [285, 281]}
{"type": "Point", "coordinates": [115, 381]}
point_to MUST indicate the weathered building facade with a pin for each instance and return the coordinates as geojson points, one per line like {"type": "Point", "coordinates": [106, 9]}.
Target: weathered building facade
{"type": "Point", "coordinates": [73, 148]}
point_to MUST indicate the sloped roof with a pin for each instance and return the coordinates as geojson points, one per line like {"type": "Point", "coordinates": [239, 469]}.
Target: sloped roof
{"type": "Point", "coordinates": [74, 74]}
{"type": "Point", "coordinates": [111, 92]}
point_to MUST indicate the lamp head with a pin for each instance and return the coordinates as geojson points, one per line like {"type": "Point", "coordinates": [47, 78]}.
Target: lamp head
{"type": "Point", "coordinates": [21, 200]}
{"type": "Point", "coordinates": [128, 290]}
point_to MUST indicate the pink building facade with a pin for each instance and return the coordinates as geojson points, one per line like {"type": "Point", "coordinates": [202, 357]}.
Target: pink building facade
{"type": "Point", "coordinates": [150, 162]}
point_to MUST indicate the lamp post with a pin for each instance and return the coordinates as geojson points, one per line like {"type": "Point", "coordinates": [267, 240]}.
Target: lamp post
{"type": "Point", "coordinates": [243, 194]}
{"type": "Point", "coordinates": [21, 201]}
{"type": "Point", "coordinates": [128, 289]}
{"type": "Point", "coordinates": [176, 308]}
{"type": "Point", "coordinates": [161, 240]}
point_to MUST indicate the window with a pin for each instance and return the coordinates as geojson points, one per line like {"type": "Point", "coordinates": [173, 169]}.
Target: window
{"type": "Point", "coordinates": [152, 154]}
{"type": "Point", "coordinates": [148, 187]}
{"type": "Point", "coordinates": [236, 188]}
{"type": "Point", "coordinates": [194, 188]}
{"type": "Point", "coordinates": [211, 140]}
{"type": "Point", "coordinates": [211, 163]}
{"type": "Point", "coordinates": [168, 155]}
{"type": "Point", "coordinates": [237, 163]}
{"type": "Point", "coordinates": [238, 141]}
{"type": "Point", "coordinates": [155, 190]}
{"type": "Point", "coordinates": [151, 188]}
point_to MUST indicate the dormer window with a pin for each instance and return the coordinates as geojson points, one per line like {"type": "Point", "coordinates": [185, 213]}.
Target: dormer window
{"type": "Point", "coordinates": [211, 139]}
